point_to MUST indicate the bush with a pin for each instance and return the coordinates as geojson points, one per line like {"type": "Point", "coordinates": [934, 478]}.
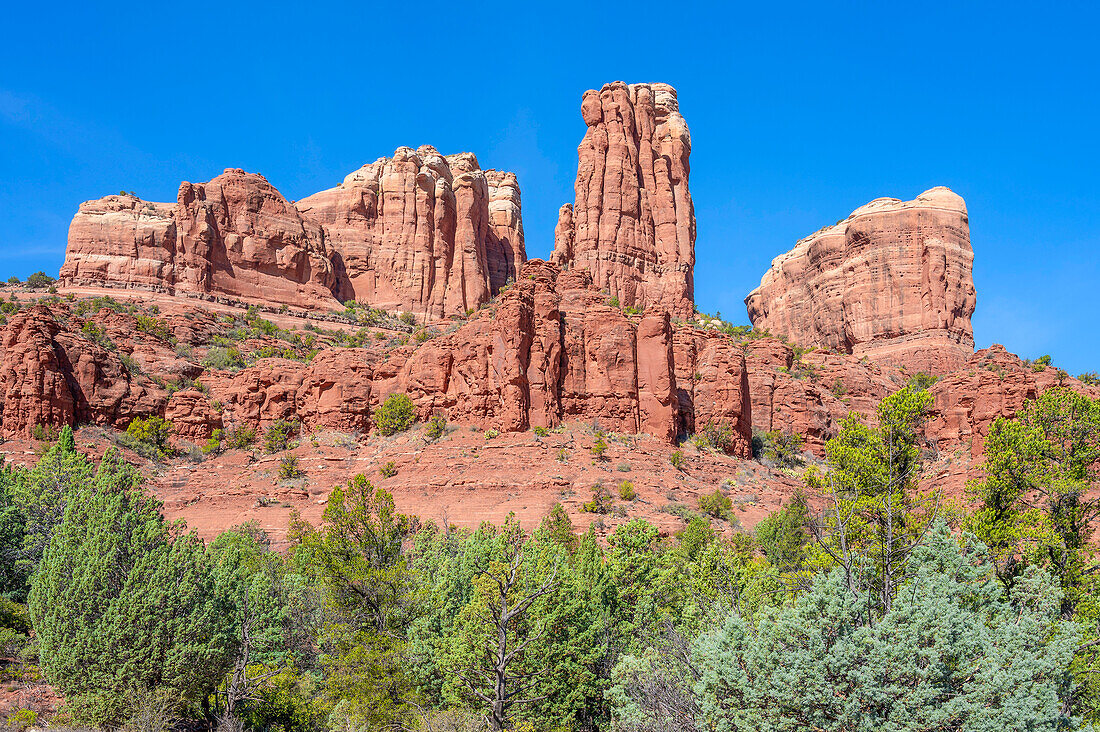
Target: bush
{"type": "Point", "coordinates": [288, 467]}
{"type": "Point", "coordinates": [601, 500]}
{"type": "Point", "coordinates": [492, 433]}
{"type": "Point", "coordinates": [562, 456]}
{"type": "Point", "coordinates": [626, 491]}
{"type": "Point", "coordinates": [677, 460]}
{"type": "Point", "coordinates": [280, 434]}
{"type": "Point", "coordinates": [39, 280]}
{"type": "Point", "coordinates": [437, 426]}
{"type": "Point", "coordinates": [150, 436]}
{"type": "Point", "coordinates": [242, 436]}
{"type": "Point", "coordinates": [388, 469]}
{"type": "Point", "coordinates": [720, 436]}
{"type": "Point", "coordinates": [222, 357]}
{"type": "Point", "coordinates": [153, 326]}
{"type": "Point", "coordinates": [44, 433]}
{"type": "Point", "coordinates": [129, 363]}
{"type": "Point", "coordinates": [716, 505]}
{"type": "Point", "coordinates": [783, 449]}
{"type": "Point", "coordinates": [95, 334]}
{"type": "Point", "coordinates": [599, 448]}
{"type": "Point", "coordinates": [922, 381]}
{"type": "Point", "coordinates": [623, 467]}
{"type": "Point", "coordinates": [213, 445]}
{"type": "Point", "coordinates": [1040, 363]}
{"type": "Point", "coordinates": [395, 415]}
{"type": "Point", "coordinates": [13, 280]}
{"type": "Point", "coordinates": [21, 719]}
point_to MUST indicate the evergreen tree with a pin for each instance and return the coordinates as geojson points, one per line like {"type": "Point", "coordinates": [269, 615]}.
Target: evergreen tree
{"type": "Point", "coordinates": [121, 605]}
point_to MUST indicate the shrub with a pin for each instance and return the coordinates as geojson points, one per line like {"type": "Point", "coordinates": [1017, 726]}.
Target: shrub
{"type": "Point", "coordinates": [13, 280]}
{"type": "Point", "coordinates": [279, 435]}
{"type": "Point", "coordinates": [388, 469]}
{"type": "Point", "coordinates": [213, 445]}
{"type": "Point", "coordinates": [599, 448]}
{"type": "Point", "coordinates": [783, 449]}
{"type": "Point", "coordinates": [626, 491]}
{"type": "Point", "coordinates": [21, 719]}
{"type": "Point", "coordinates": [437, 426]}
{"type": "Point", "coordinates": [288, 467]}
{"type": "Point", "coordinates": [623, 467]}
{"type": "Point", "coordinates": [562, 456]}
{"type": "Point", "coordinates": [95, 334]}
{"type": "Point", "coordinates": [614, 301]}
{"type": "Point", "coordinates": [1040, 363]}
{"type": "Point", "coordinates": [716, 505]}
{"type": "Point", "coordinates": [395, 415]}
{"type": "Point", "coordinates": [222, 357]}
{"type": "Point", "coordinates": [922, 381]}
{"type": "Point", "coordinates": [408, 318]}
{"type": "Point", "coordinates": [153, 326]}
{"type": "Point", "coordinates": [1092, 378]}
{"type": "Point", "coordinates": [541, 431]}
{"type": "Point", "coordinates": [39, 280]}
{"type": "Point", "coordinates": [601, 500]}
{"type": "Point", "coordinates": [492, 433]}
{"type": "Point", "coordinates": [129, 363]}
{"type": "Point", "coordinates": [152, 432]}
{"type": "Point", "coordinates": [242, 436]}
{"type": "Point", "coordinates": [720, 436]}
{"type": "Point", "coordinates": [44, 433]}
{"type": "Point", "coordinates": [677, 460]}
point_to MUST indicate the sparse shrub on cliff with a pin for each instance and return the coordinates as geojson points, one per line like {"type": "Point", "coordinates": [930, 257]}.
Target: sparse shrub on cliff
{"type": "Point", "coordinates": [288, 467]}
{"type": "Point", "coordinates": [280, 434]}
{"type": "Point", "coordinates": [95, 334]}
{"type": "Point", "coordinates": [44, 433]}
{"type": "Point", "coordinates": [388, 469]}
{"type": "Point", "coordinates": [626, 491]}
{"type": "Point", "coordinates": [213, 446]}
{"type": "Point", "coordinates": [677, 459]}
{"type": "Point", "coordinates": [148, 437]}
{"type": "Point", "coordinates": [396, 414]}
{"type": "Point", "coordinates": [718, 435]}
{"type": "Point", "coordinates": [1040, 363]}
{"type": "Point", "coordinates": [437, 427]}
{"type": "Point", "coordinates": [540, 431]}
{"type": "Point", "coordinates": [241, 437]}
{"type": "Point", "coordinates": [492, 433]}
{"type": "Point", "coordinates": [408, 318]}
{"type": "Point", "coordinates": [1091, 378]}
{"type": "Point", "coordinates": [129, 363]}
{"type": "Point", "coordinates": [613, 301]}
{"type": "Point", "coordinates": [783, 449]}
{"type": "Point", "coordinates": [716, 505]}
{"type": "Point", "coordinates": [153, 326]}
{"type": "Point", "coordinates": [562, 456]}
{"type": "Point", "coordinates": [601, 500]}
{"type": "Point", "coordinates": [922, 381]}
{"type": "Point", "coordinates": [222, 357]}
{"type": "Point", "coordinates": [13, 280]}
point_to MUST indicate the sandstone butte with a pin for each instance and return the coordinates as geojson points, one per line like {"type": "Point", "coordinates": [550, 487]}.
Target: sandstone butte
{"type": "Point", "coordinates": [891, 282]}
{"type": "Point", "coordinates": [603, 335]}
{"type": "Point", "coordinates": [418, 232]}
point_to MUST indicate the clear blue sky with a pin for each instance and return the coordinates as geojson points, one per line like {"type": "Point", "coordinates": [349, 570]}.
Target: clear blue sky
{"type": "Point", "coordinates": [799, 113]}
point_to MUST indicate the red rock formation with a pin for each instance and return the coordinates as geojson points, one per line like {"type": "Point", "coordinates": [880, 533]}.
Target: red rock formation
{"type": "Point", "coordinates": [891, 282]}
{"type": "Point", "coordinates": [549, 350]}
{"type": "Point", "coordinates": [54, 375]}
{"type": "Point", "coordinates": [423, 233]}
{"type": "Point", "coordinates": [633, 223]}
{"type": "Point", "coordinates": [419, 232]}
{"type": "Point", "coordinates": [993, 383]}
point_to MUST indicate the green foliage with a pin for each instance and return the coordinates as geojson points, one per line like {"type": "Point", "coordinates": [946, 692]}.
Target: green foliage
{"type": "Point", "coordinates": [783, 535]}
{"type": "Point", "coordinates": [152, 433]}
{"type": "Point", "coordinates": [599, 447]}
{"type": "Point", "coordinates": [677, 459]}
{"type": "Point", "coordinates": [357, 559]}
{"type": "Point", "coordinates": [601, 500]}
{"type": "Point", "coordinates": [922, 381]}
{"type": "Point", "coordinates": [437, 427]}
{"type": "Point", "coordinates": [96, 335]}
{"type": "Point", "coordinates": [720, 436]}
{"type": "Point", "coordinates": [44, 433]}
{"type": "Point", "coordinates": [1040, 363]}
{"type": "Point", "coordinates": [280, 435]}
{"type": "Point", "coordinates": [540, 431]}
{"type": "Point", "coordinates": [782, 449]}
{"type": "Point", "coordinates": [626, 491]}
{"type": "Point", "coordinates": [213, 445]}
{"type": "Point", "coordinates": [388, 469]}
{"type": "Point", "coordinates": [240, 437]}
{"type": "Point", "coordinates": [111, 561]}
{"type": "Point", "coordinates": [613, 302]}
{"type": "Point", "coordinates": [153, 326]}
{"type": "Point", "coordinates": [39, 280]}
{"type": "Point", "coordinates": [222, 357]}
{"type": "Point", "coordinates": [288, 467]}
{"type": "Point", "coordinates": [716, 505]}
{"type": "Point", "coordinates": [987, 661]}
{"type": "Point", "coordinates": [396, 414]}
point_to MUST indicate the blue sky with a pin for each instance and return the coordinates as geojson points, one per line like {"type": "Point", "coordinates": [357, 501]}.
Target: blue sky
{"type": "Point", "coordinates": [799, 113]}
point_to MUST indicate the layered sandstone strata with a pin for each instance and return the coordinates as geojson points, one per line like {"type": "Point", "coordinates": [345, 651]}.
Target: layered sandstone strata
{"type": "Point", "coordinates": [892, 282]}
{"type": "Point", "coordinates": [632, 225]}
{"type": "Point", "coordinates": [418, 232]}
{"type": "Point", "coordinates": [549, 351]}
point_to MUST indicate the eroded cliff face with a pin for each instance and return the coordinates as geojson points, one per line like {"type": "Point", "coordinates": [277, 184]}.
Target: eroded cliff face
{"type": "Point", "coordinates": [632, 225]}
{"type": "Point", "coordinates": [418, 232]}
{"type": "Point", "coordinates": [892, 282]}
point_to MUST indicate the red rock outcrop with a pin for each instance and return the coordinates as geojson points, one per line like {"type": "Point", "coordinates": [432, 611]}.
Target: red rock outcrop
{"type": "Point", "coordinates": [993, 383]}
{"type": "Point", "coordinates": [423, 233]}
{"type": "Point", "coordinates": [549, 350]}
{"type": "Point", "coordinates": [54, 375]}
{"type": "Point", "coordinates": [632, 225]}
{"type": "Point", "coordinates": [892, 282]}
{"type": "Point", "coordinates": [418, 232]}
